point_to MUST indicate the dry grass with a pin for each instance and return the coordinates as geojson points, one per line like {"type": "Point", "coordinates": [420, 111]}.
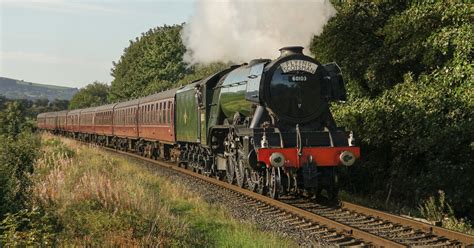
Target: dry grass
{"type": "Point", "coordinates": [104, 200]}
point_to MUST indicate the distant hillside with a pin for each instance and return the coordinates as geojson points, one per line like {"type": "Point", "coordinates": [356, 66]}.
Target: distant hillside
{"type": "Point", "coordinates": [19, 89]}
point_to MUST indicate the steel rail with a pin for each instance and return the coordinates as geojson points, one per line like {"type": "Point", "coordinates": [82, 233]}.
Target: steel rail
{"type": "Point", "coordinates": [369, 238]}
{"type": "Point", "coordinates": [466, 239]}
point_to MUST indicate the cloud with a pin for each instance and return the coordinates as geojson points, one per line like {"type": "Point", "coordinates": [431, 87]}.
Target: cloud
{"type": "Point", "coordinates": [61, 6]}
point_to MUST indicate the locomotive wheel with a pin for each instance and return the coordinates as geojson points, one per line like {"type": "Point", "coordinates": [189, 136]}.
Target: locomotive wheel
{"type": "Point", "coordinates": [240, 175]}
{"type": "Point", "coordinates": [230, 169]}
{"type": "Point", "coordinates": [262, 182]}
{"type": "Point", "coordinates": [256, 181]}
{"type": "Point", "coordinates": [274, 182]}
{"type": "Point", "coordinates": [252, 179]}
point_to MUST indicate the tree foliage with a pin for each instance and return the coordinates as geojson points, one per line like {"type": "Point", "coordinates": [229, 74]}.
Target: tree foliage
{"type": "Point", "coordinates": [355, 39]}
{"type": "Point", "coordinates": [411, 98]}
{"type": "Point", "coordinates": [151, 63]}
{"type": "Point", "coordinates": [18, 151]}
{"type": "Point", "coordinates": [94, 94]}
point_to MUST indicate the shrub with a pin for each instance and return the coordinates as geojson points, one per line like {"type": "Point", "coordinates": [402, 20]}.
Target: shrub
{"type": "Point", "coordinates": [409, 70]}
{"type": "Point", "coordinates": [441, 212]}
{"type": "Point", "coordinates": [27, 228]}
{"type": "Point", "coordinates": [17, 157]}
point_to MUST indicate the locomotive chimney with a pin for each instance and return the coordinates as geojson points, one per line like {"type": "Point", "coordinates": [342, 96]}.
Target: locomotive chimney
{"type": "Point", "coordinates": [285, 51]}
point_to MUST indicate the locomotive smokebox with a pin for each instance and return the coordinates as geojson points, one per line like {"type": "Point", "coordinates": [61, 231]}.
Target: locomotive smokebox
{"type": "Point", "coordinates": [290, 50]}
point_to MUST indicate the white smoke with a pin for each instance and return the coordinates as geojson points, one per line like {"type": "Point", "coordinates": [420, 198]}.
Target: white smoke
{"type": "Point", "coordinates": [241, 30]}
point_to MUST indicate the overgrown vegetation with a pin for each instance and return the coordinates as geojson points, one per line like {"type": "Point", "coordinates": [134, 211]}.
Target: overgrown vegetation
{"type": "Point", "coordinates": [84, 197]}
{"type": "Point", "coordinates": [409, 72]}
{"type": "Point", "coordinates": [440, 212]}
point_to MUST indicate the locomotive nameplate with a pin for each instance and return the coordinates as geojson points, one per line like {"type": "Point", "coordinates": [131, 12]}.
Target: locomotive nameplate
{"type": "Point", "coordinates": [298, 65]}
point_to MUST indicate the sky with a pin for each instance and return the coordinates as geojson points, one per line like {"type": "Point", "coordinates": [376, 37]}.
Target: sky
{"type": "Point", "coordinates": [73, 43]}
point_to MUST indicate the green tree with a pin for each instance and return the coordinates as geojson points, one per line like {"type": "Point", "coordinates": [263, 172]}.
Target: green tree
{"type": "Point", "coordinates": [94, 94]}
{"type": "Point", "coordinates": [151, 63]}
{"type": "Point", "coordinates": [12, 119]}
{"type": "Point", "coordinates": [3, 101]}
{"type": "Point", "coordinates": [58, 104]}
{"type": "Point", "coordinates": [42, 102]}
{"type": "Point", "coordinates": [411, 98]}
{"type": "Point", "coordinates": [355, 40]}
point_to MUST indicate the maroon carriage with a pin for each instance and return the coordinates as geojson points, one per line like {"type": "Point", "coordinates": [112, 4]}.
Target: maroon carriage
{"type": "Point", "coordinates": [103, 120]}
{"type": "Point", "coordinates": [51, 121]}
{"type": "Point", "coordinates": [86, 120]}
{"type": "Point", "coordinates": [62, 121]}
{"type": "Point", "coordinates": [155, 117]}
{"type": "Point", "coordinates": [72, 124]}
{"type": "Point", "coordinates": [41, 121]}
{"type": "Point", "coordinates": [125, 119]}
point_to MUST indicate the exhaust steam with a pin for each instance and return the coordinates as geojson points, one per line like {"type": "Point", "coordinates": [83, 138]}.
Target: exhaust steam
{"type": "Point", "coordinates": [240, 30]}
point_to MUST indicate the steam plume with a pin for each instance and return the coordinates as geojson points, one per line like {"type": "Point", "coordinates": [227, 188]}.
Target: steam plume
{"type": "Point", "coordinates": [240, 30]}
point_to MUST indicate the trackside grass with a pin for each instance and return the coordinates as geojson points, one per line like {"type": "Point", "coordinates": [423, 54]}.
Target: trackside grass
{"type": "Point", "coordinates": [82, 196]}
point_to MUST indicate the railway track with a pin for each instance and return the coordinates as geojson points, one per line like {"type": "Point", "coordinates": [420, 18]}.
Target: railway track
{"type": "Point", "coordinates": [349, 225]}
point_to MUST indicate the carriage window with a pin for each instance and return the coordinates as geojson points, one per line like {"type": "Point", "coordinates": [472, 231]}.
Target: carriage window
{"type": "Point", "coordinates": [151, 113]}
{"type": "Point", "coordinates": [161, 113]}
{"type": "Point", "coordinates": [147, 113]}
{"type": "Point", "coordinates": [170, 109]}
{"type": "Point", "coordinates": [155, 115]}
{"type": "Point", "coordinates": [165, 109]}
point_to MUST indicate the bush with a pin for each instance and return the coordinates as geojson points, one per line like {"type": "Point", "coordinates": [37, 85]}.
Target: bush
{"type": "Point", "coordinates": [411, 99]}
{"type": "Point", "coordinates": [416, 139]}
{"type": "Point", "coordinates": [27, 228]}
{"type": "Point", "coordinates": [441, 212]}
{"type": "Point", "coordinates": [16, 165]}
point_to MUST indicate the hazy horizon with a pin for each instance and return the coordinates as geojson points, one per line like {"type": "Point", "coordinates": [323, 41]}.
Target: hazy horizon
{"type": "Point", "coordinates": [73, 43]}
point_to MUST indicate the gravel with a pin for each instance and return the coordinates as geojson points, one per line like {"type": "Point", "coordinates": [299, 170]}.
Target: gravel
{"type": "Point", "coordinates": [246, 210]}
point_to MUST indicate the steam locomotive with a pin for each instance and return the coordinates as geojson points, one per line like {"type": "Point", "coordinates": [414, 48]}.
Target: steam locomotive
{"type": "Point", "coordinates": [263, 125]}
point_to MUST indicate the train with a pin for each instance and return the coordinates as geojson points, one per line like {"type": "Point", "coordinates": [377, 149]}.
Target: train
{"type": "Point", "coordinates": [264, 125]}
